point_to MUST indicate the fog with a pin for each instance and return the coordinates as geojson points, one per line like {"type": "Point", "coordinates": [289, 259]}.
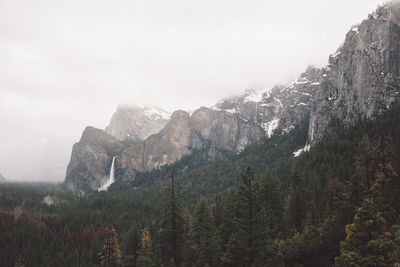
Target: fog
{"type": "Point", "coordinates": [68, 64]}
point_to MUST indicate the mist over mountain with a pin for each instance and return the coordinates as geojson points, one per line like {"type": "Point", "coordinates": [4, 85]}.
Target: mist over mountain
{"type": "Point", "coordinates": [159, 153]}
{"type": "Point", "coordinates": [58, 75]}
{"type": "Point", "coordinates": [361, 80]}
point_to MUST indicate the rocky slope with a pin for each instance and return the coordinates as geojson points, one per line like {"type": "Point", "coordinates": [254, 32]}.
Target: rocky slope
{"type": "Point", "coordinates": [136, 123]}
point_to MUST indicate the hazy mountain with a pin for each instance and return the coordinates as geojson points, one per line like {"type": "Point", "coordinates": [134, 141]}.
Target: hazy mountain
{"type": "Point", "coordinates": [361, 79]}
{"type": "Point", "coordinates": [137, 123]}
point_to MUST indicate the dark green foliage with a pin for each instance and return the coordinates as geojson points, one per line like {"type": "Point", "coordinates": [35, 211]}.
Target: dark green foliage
{"type": "Point", "coordinates": [172, 228]}
{"type": "Point", "coordinates": [203, 243]}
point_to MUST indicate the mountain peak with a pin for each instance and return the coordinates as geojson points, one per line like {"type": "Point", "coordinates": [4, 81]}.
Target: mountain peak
{"type": "Point", "coordinates": [137, 123]}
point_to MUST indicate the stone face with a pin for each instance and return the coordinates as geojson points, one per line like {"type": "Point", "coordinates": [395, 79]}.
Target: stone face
{"type": "Point", "coordinates": [136, 123]}
{"type": "Point", "coordinates": [183, 133]}
{"type": "Point", "coordinates": [362, 78]}
{"type": "Point", "coordinates": [165, 147]}
{"type": "Point", "coordinates": [91, 159]}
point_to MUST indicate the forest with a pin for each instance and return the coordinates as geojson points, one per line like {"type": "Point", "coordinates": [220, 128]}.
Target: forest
{"type": "Point", "coordinates": [335, 205]}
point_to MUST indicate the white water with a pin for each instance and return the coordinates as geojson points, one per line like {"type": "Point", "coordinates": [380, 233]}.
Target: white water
{"type": "Point", "coordinates": [111, 180]}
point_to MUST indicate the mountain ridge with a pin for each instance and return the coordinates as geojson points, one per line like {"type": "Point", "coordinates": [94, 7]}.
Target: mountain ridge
{"type": "Point", "coordinates": [361, 79]}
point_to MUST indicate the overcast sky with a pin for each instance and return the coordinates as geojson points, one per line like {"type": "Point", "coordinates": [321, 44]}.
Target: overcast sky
{"type": "Point", "coordinates": [68, 64]}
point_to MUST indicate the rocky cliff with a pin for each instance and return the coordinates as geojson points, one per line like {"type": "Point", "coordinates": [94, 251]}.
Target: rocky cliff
{"type": "Point", "coordinates": [362, 77]}
{"type": "Point", "coordinates": [91, 158]}
{"type": "Point", "coordinates": [183, 133]}
{"type": "Point", "coordinates": [282, 107]}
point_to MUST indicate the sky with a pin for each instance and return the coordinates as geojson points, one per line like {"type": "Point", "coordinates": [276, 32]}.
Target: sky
{"type": "Point", "coordinates": [66, 64]}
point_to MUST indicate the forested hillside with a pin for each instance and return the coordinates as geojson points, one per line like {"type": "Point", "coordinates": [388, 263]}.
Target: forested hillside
{"type": "Point", "coordinates": [334, 205]}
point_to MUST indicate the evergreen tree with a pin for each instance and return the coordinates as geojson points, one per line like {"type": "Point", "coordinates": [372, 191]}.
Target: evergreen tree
{"type": "Point", "coordinates": [368, 242]}
{"type": "Point", "coordinates": [272, 209]}
{"type": "Point", "coordinates": [203, 234]}
{"type": "Point", "coordinates": [245, 242]}
{"type": "Point", "coordinates": [297, 206]}
{"type": "Point", "coordinates": [145, 255]}
{"type": "Point", "coordinates": [131, 247]}
{"type": "Point", "coordinates": [172, 231]}
{"type": "Point", "coordinates": [111, 253]}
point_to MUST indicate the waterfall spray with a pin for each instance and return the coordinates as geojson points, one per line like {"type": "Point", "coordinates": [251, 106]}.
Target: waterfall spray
{"type": "Point", "coordinates": [111, 180]}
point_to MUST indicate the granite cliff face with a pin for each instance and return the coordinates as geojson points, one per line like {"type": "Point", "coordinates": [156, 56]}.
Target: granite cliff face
{"type": "Point", "coordinates": [183, 133]}
{"type": "Point", "coordinates": [362, 77]}
{"type": "Point", "coordinates": [136, 123]}
{"type": "Point", "coordinates": [162, 148]}
{"type": "Point", "coordinates": [91, 158]}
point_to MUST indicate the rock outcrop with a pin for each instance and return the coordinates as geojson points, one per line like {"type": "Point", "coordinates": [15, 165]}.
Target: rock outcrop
{"type": "Point", "coordinates": [91, 158]}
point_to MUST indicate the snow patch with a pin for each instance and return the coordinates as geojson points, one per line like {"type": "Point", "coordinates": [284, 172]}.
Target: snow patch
{"type": "Point", "coordinates": [301, 150]}
{"type": "Point", "coordinates": [157, 113]}
{"type": "Point", "coordinates": [267, 105]}
{"type": "Point", "coordinates": [252, 95]}
{"type": "Point", "coordinates": [336, 54]}
{"type": "Point", "coordinates": [269, 127]}
{"type": "Point", "coordinates": [355, 29]}
{"type": "Point", "coordinates": [48, 200]}
{"type": "Point", "coordinates": [307, 94]}
{"type": "Point", "coordinates": [288, 129]}
{"type": "Point", "coordinates": [279, 101]}
{"type": "Point", "coordinates": [231, 111]}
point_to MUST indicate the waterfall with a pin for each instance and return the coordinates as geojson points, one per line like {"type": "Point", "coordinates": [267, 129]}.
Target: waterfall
{"type": "Point", "coordinates": [110, 180]}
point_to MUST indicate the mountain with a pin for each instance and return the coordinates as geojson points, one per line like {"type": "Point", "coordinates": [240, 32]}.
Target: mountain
{"type": "Point", "coordinates": [2, 179]}
{"type": "Point", "coordinates": [360, 81]}
{"type": "Point", "coordinates": [136, 123]}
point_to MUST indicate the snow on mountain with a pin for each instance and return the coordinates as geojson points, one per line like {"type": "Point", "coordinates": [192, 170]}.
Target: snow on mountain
{"type": "Point", "coordinates": [137, 123]}
{"type": "Point", "coordinates": [301, 150]}
{"type": "Point", "coordinates": [281, 107]}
